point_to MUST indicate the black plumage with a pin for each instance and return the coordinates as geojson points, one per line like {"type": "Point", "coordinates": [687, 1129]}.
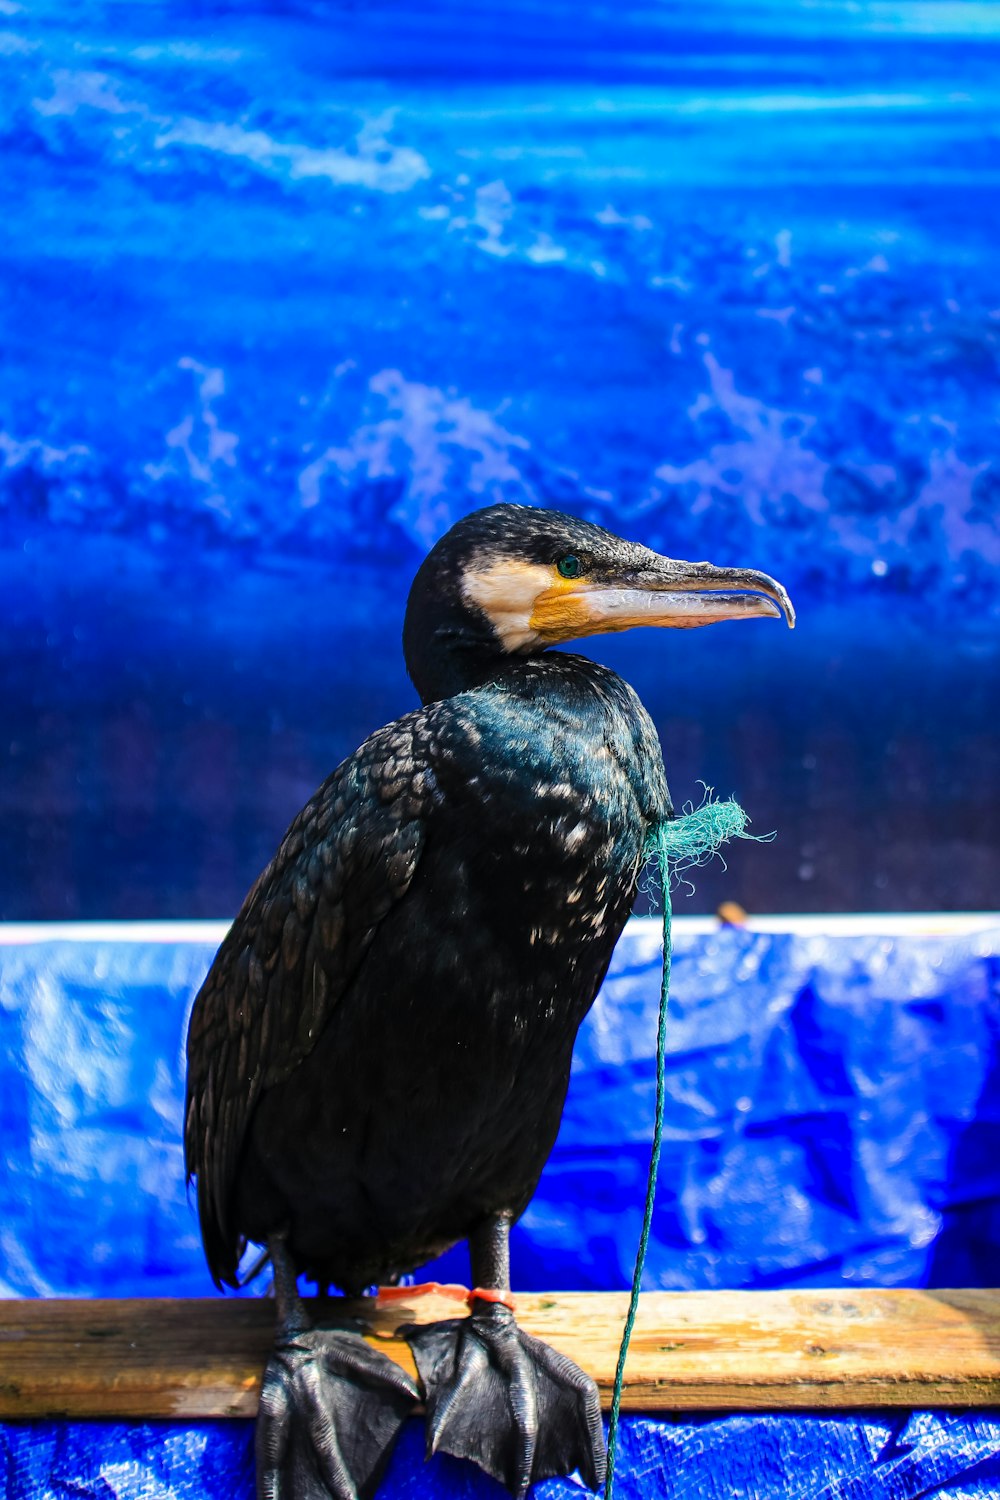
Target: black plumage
{"type": "Point", "coordinates": [379, 1055]}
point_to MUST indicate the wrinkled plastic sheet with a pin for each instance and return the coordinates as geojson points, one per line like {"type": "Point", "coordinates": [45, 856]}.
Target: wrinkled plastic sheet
{"type": "Point", "coordinates": [867, 1456]}
{"type": "Point", "coordinates": [833, 1117]}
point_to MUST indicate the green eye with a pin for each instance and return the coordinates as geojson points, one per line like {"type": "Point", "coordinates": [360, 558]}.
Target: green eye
{"type": "Point", "coordinates": [569, 567]}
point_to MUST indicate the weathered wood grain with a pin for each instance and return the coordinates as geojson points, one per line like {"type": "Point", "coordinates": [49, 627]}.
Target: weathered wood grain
{"type": "Point", "coordinates": [690, 1350]}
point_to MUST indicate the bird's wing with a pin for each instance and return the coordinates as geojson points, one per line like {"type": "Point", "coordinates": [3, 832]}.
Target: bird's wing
{"type": "Point", "coordinates": [294, 949]}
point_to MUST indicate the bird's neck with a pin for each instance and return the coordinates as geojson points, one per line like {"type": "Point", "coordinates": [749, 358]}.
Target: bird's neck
{"type": "Point", "coordinates": [448, 650]}
{"type": "Point", "coordinates": [454, 664]}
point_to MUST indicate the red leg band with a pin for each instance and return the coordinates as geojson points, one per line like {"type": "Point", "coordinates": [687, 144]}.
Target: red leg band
{"type": "Point", "coordinates": [491, 1294]}
{"type": "Point", "coordinates": [446, 1289]}
{"type": "Point", "coordinates": [424, 1289]}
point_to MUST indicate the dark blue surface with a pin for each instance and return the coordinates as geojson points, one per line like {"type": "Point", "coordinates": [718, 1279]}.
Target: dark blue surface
{"type": "Point", "coordinates": [866, 1456]}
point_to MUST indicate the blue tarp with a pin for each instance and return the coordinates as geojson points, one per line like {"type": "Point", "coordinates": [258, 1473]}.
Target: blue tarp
{"type": "Point", "coordinates": [867, 1456]}
{"type": "Point", "coordinates": [833, 1117]}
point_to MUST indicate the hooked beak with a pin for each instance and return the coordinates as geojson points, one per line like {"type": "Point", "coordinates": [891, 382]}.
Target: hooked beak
{"type": "Point", "coordinates": [679, 595]}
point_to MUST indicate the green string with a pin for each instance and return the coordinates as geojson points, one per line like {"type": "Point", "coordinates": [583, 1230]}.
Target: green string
{"type": "Point", "coordinates": [673, 847]}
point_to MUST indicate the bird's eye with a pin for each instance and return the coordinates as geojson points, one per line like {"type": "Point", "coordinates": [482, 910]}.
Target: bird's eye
{"type": "Point", "coordinates": [569, 566]}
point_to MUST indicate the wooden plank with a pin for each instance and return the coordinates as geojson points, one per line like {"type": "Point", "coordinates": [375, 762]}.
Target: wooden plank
{"type": "Point", "coordinates": [690, 1351]}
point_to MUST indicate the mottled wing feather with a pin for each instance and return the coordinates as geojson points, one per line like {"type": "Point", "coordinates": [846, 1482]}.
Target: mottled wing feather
{"type": "Point", "coordinates": [293, 951]}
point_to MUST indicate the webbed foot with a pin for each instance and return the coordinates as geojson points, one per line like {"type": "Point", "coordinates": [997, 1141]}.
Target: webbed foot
{"type": "Point", "coordinates": [331, 1409]}
{"type": "Point", "coordinates": [505, 1400]}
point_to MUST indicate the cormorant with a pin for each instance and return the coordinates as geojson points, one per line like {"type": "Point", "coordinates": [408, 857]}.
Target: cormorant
{"type": "Point", "coordinates": [378, 1058]}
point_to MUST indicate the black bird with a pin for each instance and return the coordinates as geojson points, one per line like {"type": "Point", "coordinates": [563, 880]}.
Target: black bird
{"type": "Point", "coordinates": [378, 1058]}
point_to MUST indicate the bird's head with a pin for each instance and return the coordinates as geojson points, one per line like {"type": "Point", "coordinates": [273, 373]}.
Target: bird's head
{"type": "Point", "coordinates": [511, 580]}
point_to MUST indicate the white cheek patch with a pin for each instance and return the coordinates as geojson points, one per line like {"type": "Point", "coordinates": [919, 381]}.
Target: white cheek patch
{"type": "Point", "coordinates": [506, 593]}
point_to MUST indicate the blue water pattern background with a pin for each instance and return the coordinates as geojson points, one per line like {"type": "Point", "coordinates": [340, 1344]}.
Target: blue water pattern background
{"type": "Point", "coordinates": [289, 288]}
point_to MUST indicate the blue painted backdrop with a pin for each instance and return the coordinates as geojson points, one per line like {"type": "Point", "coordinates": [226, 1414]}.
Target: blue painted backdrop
{"type": "Point", "coordinates": [288, 287]}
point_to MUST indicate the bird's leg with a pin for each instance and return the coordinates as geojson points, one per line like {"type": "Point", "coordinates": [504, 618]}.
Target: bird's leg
{"type": "Point", "coordinates": [292, 1316]}
{"type": "Point", "coordinates": [330, 1406]}
{"type": "Point", "coordinates": [489, 1254]}
{"type": "Point", "coordinates": [495, 1395]}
